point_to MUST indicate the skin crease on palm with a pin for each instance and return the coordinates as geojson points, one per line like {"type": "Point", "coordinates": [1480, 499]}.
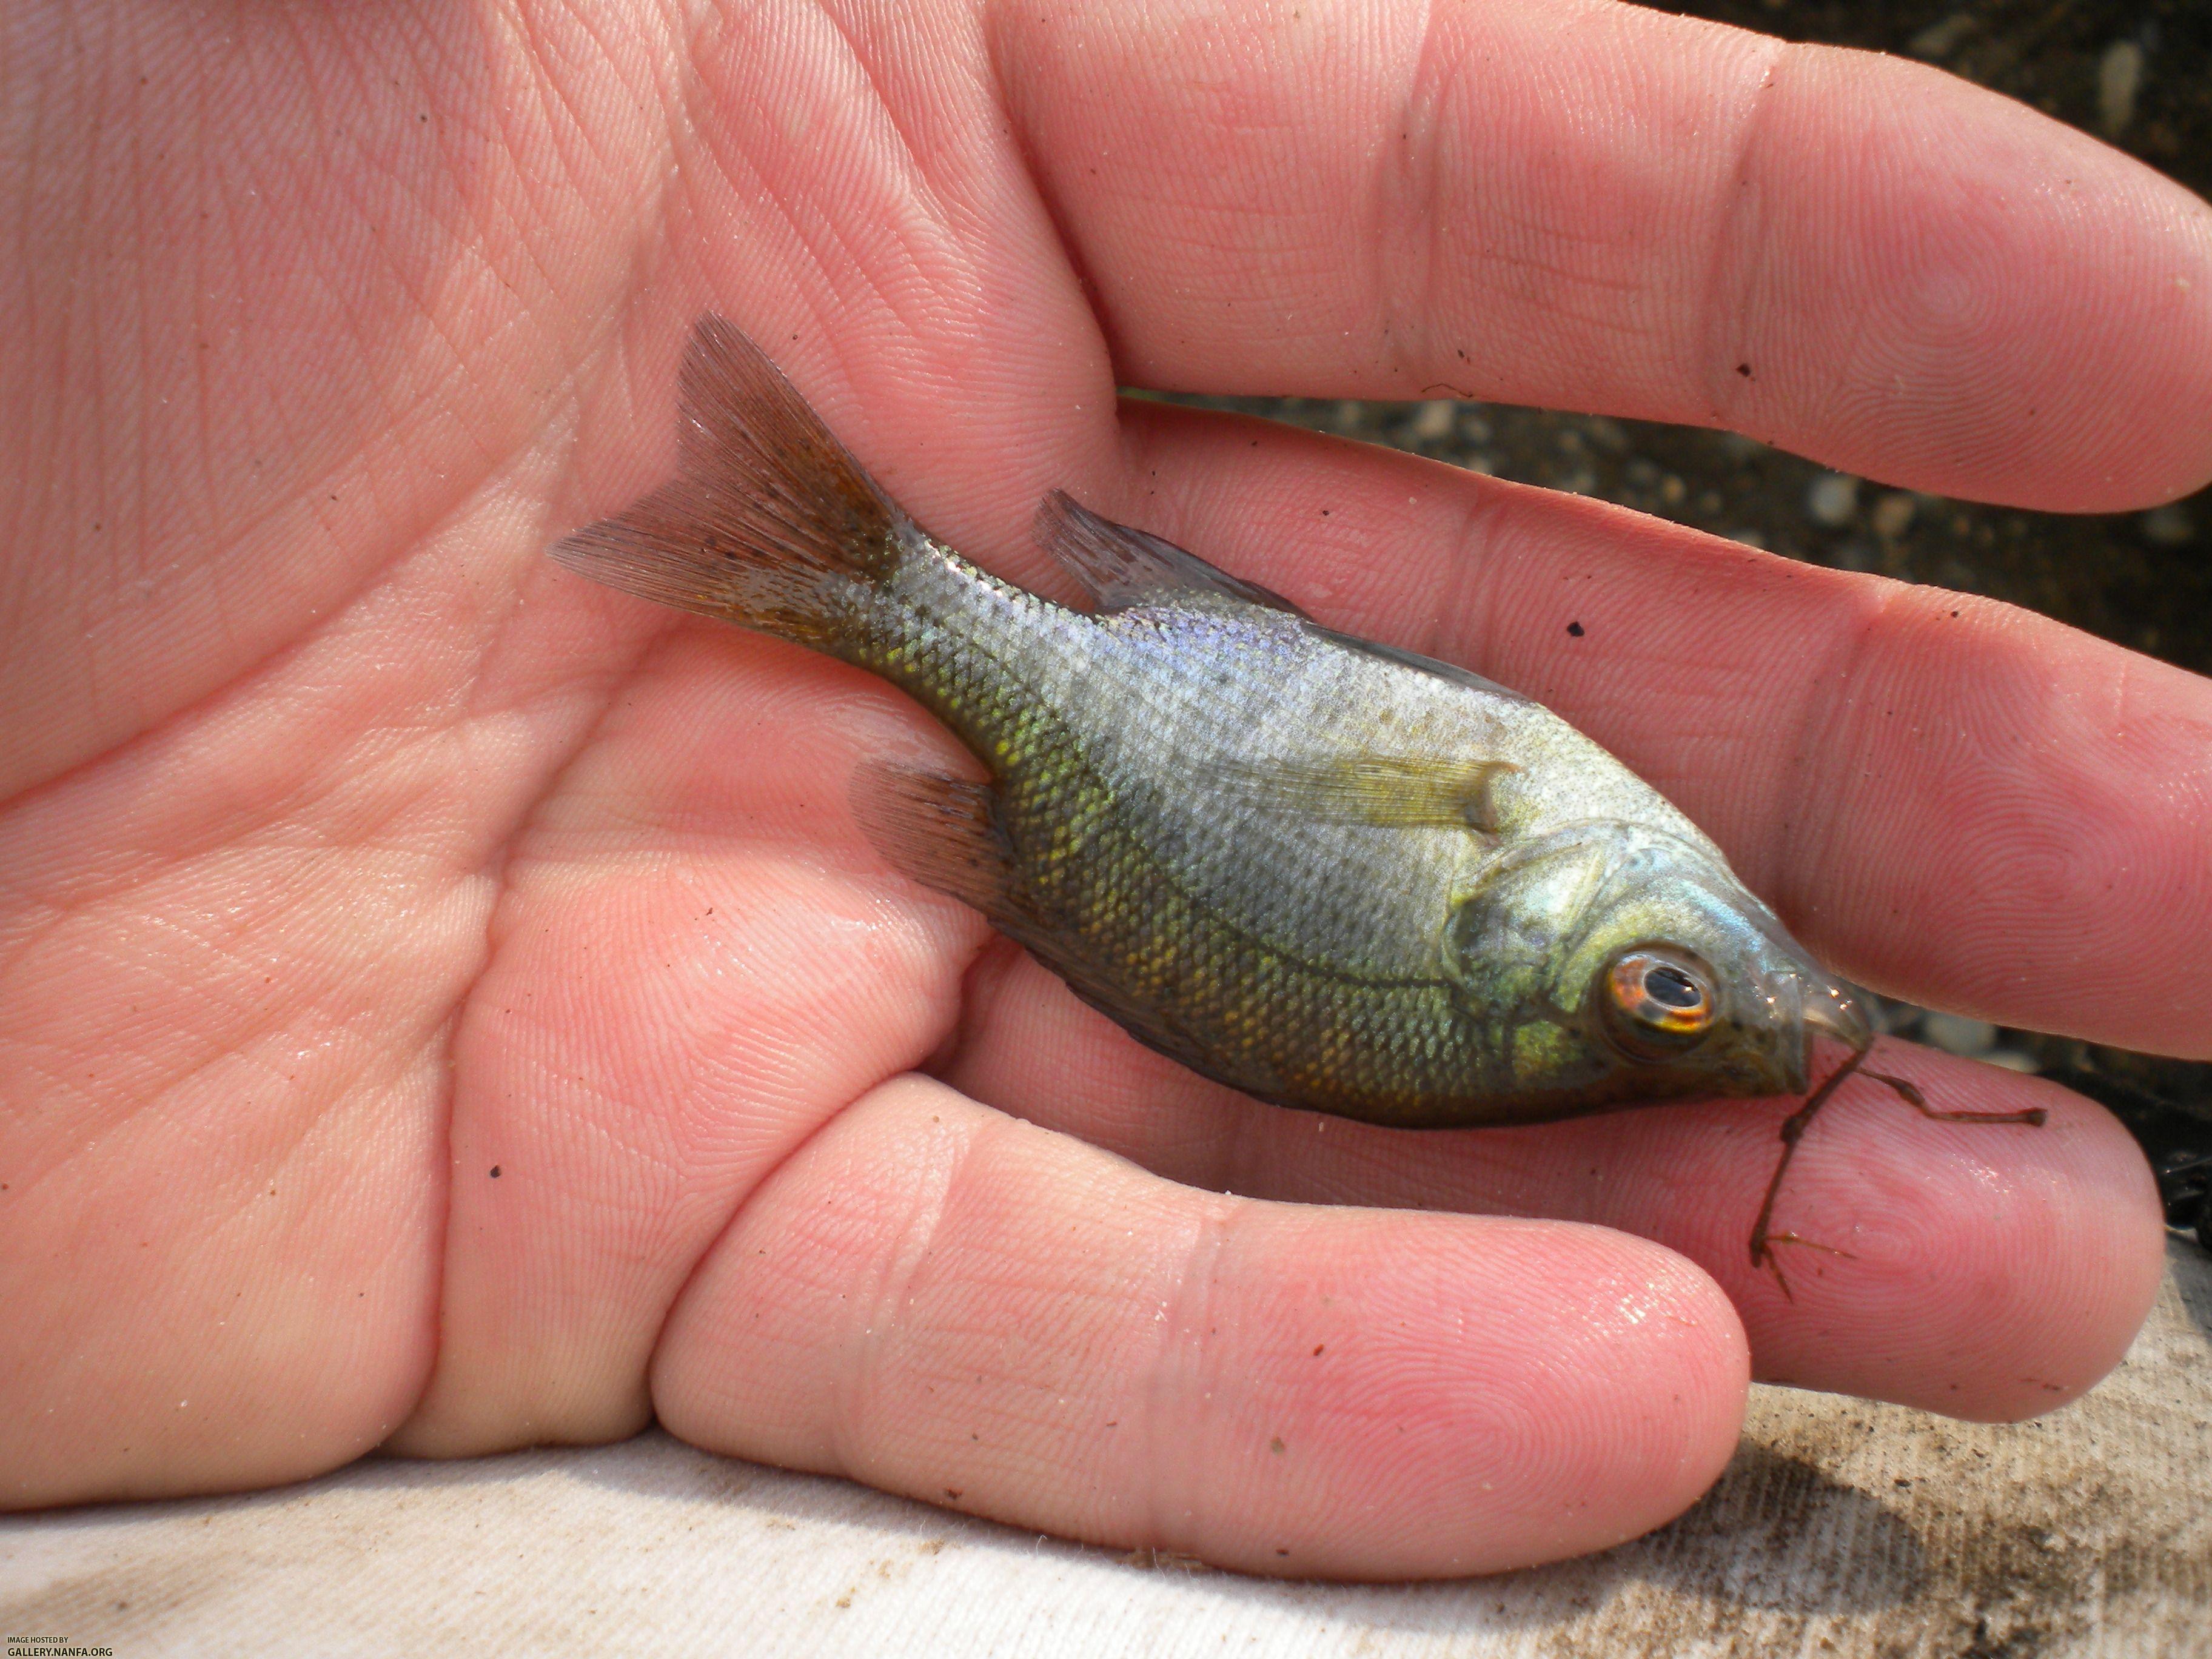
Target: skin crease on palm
{"type": "Point", "coordinates": [447, 1006]}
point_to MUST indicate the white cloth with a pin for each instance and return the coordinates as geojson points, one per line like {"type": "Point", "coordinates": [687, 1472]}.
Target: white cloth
{"type": "Point", "coordinates": [1843, 1530]}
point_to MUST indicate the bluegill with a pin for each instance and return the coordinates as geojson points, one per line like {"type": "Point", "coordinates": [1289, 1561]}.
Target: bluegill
{"type": "Point", "coordinates": [1330, 873]}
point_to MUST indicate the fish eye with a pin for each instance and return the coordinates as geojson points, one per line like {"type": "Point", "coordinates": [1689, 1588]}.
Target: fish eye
{"type": "Point", "coordinates": [1658, 1001]}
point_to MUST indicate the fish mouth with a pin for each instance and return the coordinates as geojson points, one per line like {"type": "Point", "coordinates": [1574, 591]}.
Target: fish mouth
{"type": "Point", "coordinates": [1832, 1011]}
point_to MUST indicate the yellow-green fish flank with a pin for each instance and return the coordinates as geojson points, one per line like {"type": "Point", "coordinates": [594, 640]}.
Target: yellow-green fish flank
{"type": "Point", "coordinates": [1328, 873]}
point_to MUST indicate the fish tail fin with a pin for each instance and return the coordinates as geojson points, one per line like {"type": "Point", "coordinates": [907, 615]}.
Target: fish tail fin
{"type": "Point", "coordinates": [770, 522]}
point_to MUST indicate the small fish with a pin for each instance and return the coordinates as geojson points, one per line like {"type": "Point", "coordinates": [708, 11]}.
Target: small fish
{"type": "Point", "coordinates": [1329, 873]}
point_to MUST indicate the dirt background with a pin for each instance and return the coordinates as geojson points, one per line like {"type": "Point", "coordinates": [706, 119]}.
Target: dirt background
{"type": "Point", "coordinates": [2136, 73]}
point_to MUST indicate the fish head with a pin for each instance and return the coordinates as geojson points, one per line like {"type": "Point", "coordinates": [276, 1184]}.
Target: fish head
{"type": "Point", "coordinates": [1660, 973]}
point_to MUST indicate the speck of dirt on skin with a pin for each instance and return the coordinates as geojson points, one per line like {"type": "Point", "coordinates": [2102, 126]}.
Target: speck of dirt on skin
{"type": "Point", "coordinates": [1575, 629]}
{"type": "Point", "coordinates": [953, 1492]}
{"type": "Point", "coordinates": [1276, 1446]}
{"type": "Point", "coordinates": [495, 1172]}
{"type": "Point", "coordinates": [1318, 1346]}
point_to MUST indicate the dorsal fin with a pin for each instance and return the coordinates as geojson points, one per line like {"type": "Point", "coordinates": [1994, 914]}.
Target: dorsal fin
{"type": "Point", "coordinates": [1405, 659]}
{"type": "Point", "coordinates": [1118, 567]}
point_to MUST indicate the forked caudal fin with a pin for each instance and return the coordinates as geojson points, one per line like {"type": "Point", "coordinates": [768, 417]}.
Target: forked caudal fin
{"type": "Point", "coordinates": [770, 523]}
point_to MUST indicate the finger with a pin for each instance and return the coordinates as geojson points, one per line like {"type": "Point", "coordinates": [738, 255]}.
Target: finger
{"type": "Point", "coordinates": [1946, 798]}
{"type": "Point", "coordinates": [688, 972]}
{"type": "Point", "coordinates": [936, 1300]}
{"type": "Point", "coordinates": [1599, 206]}
{"type": "Point", "coordinates": [1994, 1271]}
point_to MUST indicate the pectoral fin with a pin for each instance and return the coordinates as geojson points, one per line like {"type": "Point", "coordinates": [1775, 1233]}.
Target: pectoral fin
{"type": "Point", "coordinates": [1399, 791]}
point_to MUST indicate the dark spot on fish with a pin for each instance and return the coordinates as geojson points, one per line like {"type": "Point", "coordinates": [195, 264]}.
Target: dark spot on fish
{"type": "Point", "coordinates": [1575, 629]}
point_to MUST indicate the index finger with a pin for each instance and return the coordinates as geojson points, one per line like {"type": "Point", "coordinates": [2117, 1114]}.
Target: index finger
{"type": "Point", "coordinates": [1593, 206]}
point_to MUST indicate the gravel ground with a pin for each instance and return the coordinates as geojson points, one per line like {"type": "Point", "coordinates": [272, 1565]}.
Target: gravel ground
{"type": "Point", "coordinates": [2138, 75]}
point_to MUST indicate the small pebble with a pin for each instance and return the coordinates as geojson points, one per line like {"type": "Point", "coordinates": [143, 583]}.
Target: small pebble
{"type": "Point", "coordinates": [1432, 421]}
{"type": "Point", "coordinates": [2119, 78]}
{"type": "Point", "coordinates": [2169, 526]}
{"type": "Point", "coordinates": [1608, 435]}
{"type": "Point", "coordinates": [1833, 500]}
{"type": "Point", "coordinates": [1937, 40]}
{"type": "Point", "coordinates": [1899, 1020]}
{"type": "Point", "coordinates": [1893, 514]}
{"type": "Point", "coordinates": [1955, 1034]}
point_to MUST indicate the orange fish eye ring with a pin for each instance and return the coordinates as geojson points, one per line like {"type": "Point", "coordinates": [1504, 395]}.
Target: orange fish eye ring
{"type": "Point", "coordinates": [1662, 992]}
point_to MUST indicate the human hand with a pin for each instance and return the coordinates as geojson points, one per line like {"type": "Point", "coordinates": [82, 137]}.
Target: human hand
{"type": "Point", "coordinates": [448, 1006]}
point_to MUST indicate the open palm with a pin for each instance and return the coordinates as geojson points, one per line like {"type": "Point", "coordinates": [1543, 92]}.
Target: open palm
{"type": "Point", "coordinates": [445, 1006]}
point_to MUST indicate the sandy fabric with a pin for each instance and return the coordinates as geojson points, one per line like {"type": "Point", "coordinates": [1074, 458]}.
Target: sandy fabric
{"type": "Point", "coordinates": [1843, 1530]}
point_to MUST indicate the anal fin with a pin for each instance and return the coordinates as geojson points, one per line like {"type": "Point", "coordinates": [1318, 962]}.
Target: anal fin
{"type": "Point", "coordinates": [941, 831]}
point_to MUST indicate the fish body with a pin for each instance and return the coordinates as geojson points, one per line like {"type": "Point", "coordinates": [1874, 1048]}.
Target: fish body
{"type": "Point", "coordinates": [1330, 873]}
